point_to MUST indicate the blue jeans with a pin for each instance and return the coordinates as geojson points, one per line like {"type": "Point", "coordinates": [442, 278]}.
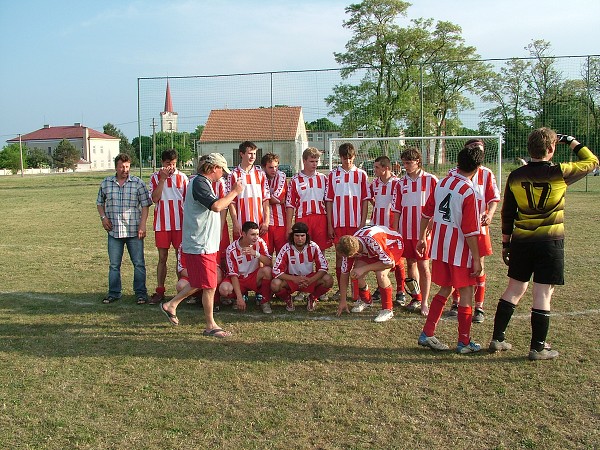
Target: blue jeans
{"type": "Point", "coordinates": [135, 248]}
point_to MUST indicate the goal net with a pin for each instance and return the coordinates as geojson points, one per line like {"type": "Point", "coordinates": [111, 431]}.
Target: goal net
{"type": "Point", "coordinates": [439, 152]}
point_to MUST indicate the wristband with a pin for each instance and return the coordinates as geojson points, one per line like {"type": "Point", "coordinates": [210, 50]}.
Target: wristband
{"type": "Point", "coordinates": [506, 245]}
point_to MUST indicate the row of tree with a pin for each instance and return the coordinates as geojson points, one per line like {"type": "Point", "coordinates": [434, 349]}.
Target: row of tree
{"type": "Point", "coordinates": [64, 156]}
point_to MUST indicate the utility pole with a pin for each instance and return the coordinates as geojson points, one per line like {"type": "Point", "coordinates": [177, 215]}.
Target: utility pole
{"type": "Point", "coordinates": [153, 145]}
{"type": "Point", "coordinates": [21, 152]}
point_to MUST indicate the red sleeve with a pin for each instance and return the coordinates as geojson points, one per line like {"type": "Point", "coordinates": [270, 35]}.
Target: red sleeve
{"type": "Point", "coordinates": [470, 216]}
{"type": "Point", "coordinates": [329, 194]}
{"type": "Point", "coordinates": [429, 208]}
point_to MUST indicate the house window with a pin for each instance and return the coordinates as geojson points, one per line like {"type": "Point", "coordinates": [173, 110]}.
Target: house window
{"type": "Point", "coordinates": [49, 150]}
{"type": "Point", "coordinates": [319, 136]}
{"type": "Point", "coordinates": [360, 134]}
{"type": "Point", "coordinates": [101, 149]}
{"type": "Point", "coordinates": [94, 149]}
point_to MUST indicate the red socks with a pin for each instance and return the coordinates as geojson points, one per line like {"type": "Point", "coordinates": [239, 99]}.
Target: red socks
{"type": "Point", "coordinates": [480, 291]}
{"type": "Point", "coordinates": [435, 313]}
{"type": "Point", "coordinates": [386, 297]}
{"type": "Point", "coordinates": [465, 314]}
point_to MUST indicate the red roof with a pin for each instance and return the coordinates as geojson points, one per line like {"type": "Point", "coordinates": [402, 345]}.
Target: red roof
{"type": "Point", "coordinates": [262, 124]}
{"type": "Point", "coordinates": [63, 132]}
{"type": "Point", "coordinates": [168, 102]}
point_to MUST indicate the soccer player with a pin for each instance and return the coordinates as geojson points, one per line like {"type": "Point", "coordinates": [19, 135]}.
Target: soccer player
{"type": "Point", "coordinates": [488, 196]}
{"type": "Point", "coordinates": [200, 240]}
{"type": "Point", "coordinates": [371, 249]}
{"type": "Point", "coordinates": [252, 205]}
{"type": "Point", "coordinates": [346, 200]}
{"type": "Point", "coordinates": [306, 199]}
{"type": "Point", "coordinates": [456, 222]}
{"type": "Point", "coordinates": [533, 234]}
{"type": "Point", "coordinates": [412, 191]}
{"type": "Point", "coordinates": [167, 188]}
{"type": "Point", "coordinates": [277, 234]}
{"type": "Point", "coordinates": [300, 266]}
{"type": "Point", "coordinates": [381, 192]}
{"type": "Point", "coordinates": [248, 269]}
{"type": "Point", "coordinates": [123, 202]}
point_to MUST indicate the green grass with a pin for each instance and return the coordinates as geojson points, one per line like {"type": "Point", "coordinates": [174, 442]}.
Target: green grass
{"type": "Point", "coordinates": [78, 374]}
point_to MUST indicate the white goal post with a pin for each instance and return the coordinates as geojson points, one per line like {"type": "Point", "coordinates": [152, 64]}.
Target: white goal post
{"type": "Point", "coordinates": [439, 152]}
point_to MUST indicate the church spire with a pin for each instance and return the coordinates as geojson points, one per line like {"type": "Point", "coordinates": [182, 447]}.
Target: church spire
{"type": "Point", "coordinates": [168, 122]}
{"type": "Point", "coordinates": [168, 102]}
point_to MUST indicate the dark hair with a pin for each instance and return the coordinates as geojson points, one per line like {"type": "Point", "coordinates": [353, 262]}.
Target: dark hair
{"type": "Point", "coordinates": [299, 227]}
{"type": "Point", "coordinates": [123, 157]}
{"type": "Point", "coordinates": [384, 161]}
{"type": "Point", "coordinates": [347, 149]}
{"type": "Point", "coordinates": [475, 141]}
{"type": "Point", "coordinates": [247, 145]}
{"type": "Point", "coordinates": [249, 225]}
{"type": "Point", "coordinates": [268, 157]}
{"type": "Point", "coordinates": [168, 155]}
{"type": "Point", "coordinates": [470, 158]}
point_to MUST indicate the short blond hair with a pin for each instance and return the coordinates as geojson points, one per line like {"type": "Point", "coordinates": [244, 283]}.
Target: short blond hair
{"type": "Point", "coordinates": [311, 152]}
{"type": "Point", "coordinates": [348, 246]}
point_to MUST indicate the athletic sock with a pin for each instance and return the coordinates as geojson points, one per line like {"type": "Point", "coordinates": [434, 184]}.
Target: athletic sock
{"type": "Point", "coordinates": [465, 315]}
{"type": "Point", "coordinates": [504, 312]}
{"type": "Point", "coordinates": [540, 322]}
{"type": "Point", "coordinates": [364, 294]}
{"type": "Point", "coordinates": [480, 292]}
{"type": "Point", "coordinates": [435, 312]}
{"type": "Point", "coordinates": [356, 289]}
{"type": "Point", "coordinates": [161, 290]}
{"type": "Point", "coordinates": [265, 290]}
{"type": "Point", "coordinates": [400, 275]}
{"type": "Point", "coordinates": [320, 290]}
{"type": "Point", "coordinates": [386, 297]}
{"type": "Point", "coordinates": [283, 294]}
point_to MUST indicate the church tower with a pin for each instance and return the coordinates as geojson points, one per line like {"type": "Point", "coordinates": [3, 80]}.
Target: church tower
{"type": "Point", "coordinates": [168, 118]}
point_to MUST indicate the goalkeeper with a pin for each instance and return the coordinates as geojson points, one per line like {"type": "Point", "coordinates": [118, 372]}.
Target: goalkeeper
{"type": "Point", "coordinates": [533, 234]}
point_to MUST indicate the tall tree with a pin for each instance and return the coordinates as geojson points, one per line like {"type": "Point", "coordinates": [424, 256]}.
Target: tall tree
{"type": "Point", "coordinates": [10, 158]}
{"type": "Point", "coordinates": [66, 155]}
{"type": "Point", "coordinates": [38, 158]}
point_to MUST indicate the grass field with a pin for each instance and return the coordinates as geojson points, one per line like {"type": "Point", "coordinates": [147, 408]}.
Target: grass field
{"type": "Point", "coordinates": [78, 374]}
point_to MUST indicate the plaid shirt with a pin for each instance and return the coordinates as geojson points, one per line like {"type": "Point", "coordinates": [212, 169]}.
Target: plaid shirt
{"type": "Point", "coordinates": [123, 204]}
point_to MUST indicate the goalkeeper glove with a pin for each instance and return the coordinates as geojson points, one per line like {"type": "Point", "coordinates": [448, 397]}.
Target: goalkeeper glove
{"type": "Point", "coordinates": [565, 138]}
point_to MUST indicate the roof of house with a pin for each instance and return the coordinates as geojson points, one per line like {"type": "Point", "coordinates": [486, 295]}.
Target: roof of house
{"type": "Point", "coordinates": [62, 132]}
{"type": "Point", "coordinates": [262, 124]}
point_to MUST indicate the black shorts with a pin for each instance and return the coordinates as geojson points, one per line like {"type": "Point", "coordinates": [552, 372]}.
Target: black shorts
{"type": "Point", "coordinates": [545, 260]}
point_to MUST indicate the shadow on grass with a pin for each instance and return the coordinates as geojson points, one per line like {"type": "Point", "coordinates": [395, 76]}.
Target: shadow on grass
{"type": "Point", "coordinates": [47, 325]}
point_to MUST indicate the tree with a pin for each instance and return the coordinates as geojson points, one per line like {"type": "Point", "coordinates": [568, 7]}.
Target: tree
{"type": "Point", "coordinates": [38, 158]}
{"type": "Point", "coordinates": [322, 124]}
{"type": "Point", "coordinates": [66, 156]}
{"type": "Point", "coordinates": [10, 158]}
{"type": "Point", "coordinates": [124, 145]}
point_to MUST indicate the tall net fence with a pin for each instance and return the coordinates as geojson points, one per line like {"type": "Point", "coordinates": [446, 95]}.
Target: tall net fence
{"type": "Point", "coordinates": [510, 99]}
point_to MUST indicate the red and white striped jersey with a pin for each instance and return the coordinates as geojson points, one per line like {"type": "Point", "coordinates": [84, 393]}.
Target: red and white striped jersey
{"type": "Point", "coordinates": [249, 203]}
{"type": "Point", "coordinates": [307, 194]}
{"type": "Point", "coordinates": [382, 195]}
{"type": "Point", "coordinates": [347, 190]}
{"type": "Point", "coordinates": [292, 261]}
{"type": "Point", "coordinates": [486, 190]}
{"type": "Point", "coordinates": [409, 198]}
{"type": "Point", "coordinates": [278, 188]}
{"type": "Point", "coordinates": [378, 241]}
{"type": "Point", "coordinates": [453, 207]}
{"type": "Point", "coordinates": [220, 187]}
{"type": "Point", "coordinates": [242, 265]}
{"type": "Point", "coordinates": [168, 211]}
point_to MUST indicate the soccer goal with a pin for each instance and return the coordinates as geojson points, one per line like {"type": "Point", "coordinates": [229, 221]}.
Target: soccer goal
{"type": "Point", "coordinates": [439, 152]}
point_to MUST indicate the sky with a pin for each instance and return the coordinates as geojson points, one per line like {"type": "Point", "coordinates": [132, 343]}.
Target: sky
{"type": "Point", "coordinates": [65, 62]}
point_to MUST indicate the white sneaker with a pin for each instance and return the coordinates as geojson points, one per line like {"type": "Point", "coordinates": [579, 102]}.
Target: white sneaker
{"type": "Point", "coordinates": [384, 315]}
{"type": "Point", "coordinates": [266, 308]}
{"type": "Point", "coordinates": [360, 306]}
{"type": "Point", "coordinates": [432, 342]}
{"type": "Point", "coordinates": [300, 297]}
{"type": "Point", "coordinates": [324, 298]}
{"type": "Point", "coordinates": [499, 346]}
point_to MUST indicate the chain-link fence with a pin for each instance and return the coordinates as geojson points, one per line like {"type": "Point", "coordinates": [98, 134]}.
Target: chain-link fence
{"type": "Point", "coordinates": [507, 97]}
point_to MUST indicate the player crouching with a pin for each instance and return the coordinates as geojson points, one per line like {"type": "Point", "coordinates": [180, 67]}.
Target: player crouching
{"type": "Point", "coordinates": [300, 266]}
{"type": "Point", "coordinates": [371, 249]}
{"type": "Point", "coordinates": [248, 269]}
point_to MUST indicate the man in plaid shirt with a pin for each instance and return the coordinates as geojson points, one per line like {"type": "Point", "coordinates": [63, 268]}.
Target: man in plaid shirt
{"type": "Point", "coordinates": [123, 203]}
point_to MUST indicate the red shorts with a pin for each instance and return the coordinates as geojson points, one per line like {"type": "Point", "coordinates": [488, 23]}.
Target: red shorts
{"type": "Point", "coordinates": [444, 274]}
{"type": "Point", "coordinates": [247, 283]}
{"type": "Point", "coordinates": [317, 229]}
{"type": "Point", "coordinates": [310, 288]}
{"type": "Point", "coordinates": [485, 244]}
{"type": "Point", "coordinates": [164, 239]}
{"type": "Point", "coordinates": [410, 250]}
{"type": "Point", "coordinates": [202, 270]}
{"type": "Point", "coordinates": [276, 238]}
{"type": "Point", "coordinates": [343, 231]}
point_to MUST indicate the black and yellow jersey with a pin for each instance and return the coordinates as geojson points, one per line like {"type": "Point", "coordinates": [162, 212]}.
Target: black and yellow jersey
{"type": "Point", "coordinates": [534, 199]}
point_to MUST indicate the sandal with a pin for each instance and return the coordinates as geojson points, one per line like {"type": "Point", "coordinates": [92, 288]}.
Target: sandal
{"type": "Point", "coordinates": [109, 299]}
{"type": "Point", "coordinates": [216, 332]}
{"type": "Point", "coordinates": [141, 301]}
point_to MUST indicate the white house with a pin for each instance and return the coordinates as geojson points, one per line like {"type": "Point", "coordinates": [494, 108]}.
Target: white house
{"type": "Point", "coordinates": [98, 150]}
{"type": "Point", "coordinates": [279, 130]}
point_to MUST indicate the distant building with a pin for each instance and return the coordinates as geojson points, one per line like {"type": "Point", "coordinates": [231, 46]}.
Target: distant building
{"type": "Point", "coordinates": [280, 130]}
{"type": "Point", "coordinates": [168, 118]}
{"type": "Point", "coordinates": [98, 150]}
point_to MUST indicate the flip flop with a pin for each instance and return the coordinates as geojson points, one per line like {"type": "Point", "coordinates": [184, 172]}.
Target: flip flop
{"type": "Point", "coordinates": [214, 331]}
{"type": "Point", "coordinates": [172, 317]}
{"type": "Point", "coordinates": [109, 299]}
